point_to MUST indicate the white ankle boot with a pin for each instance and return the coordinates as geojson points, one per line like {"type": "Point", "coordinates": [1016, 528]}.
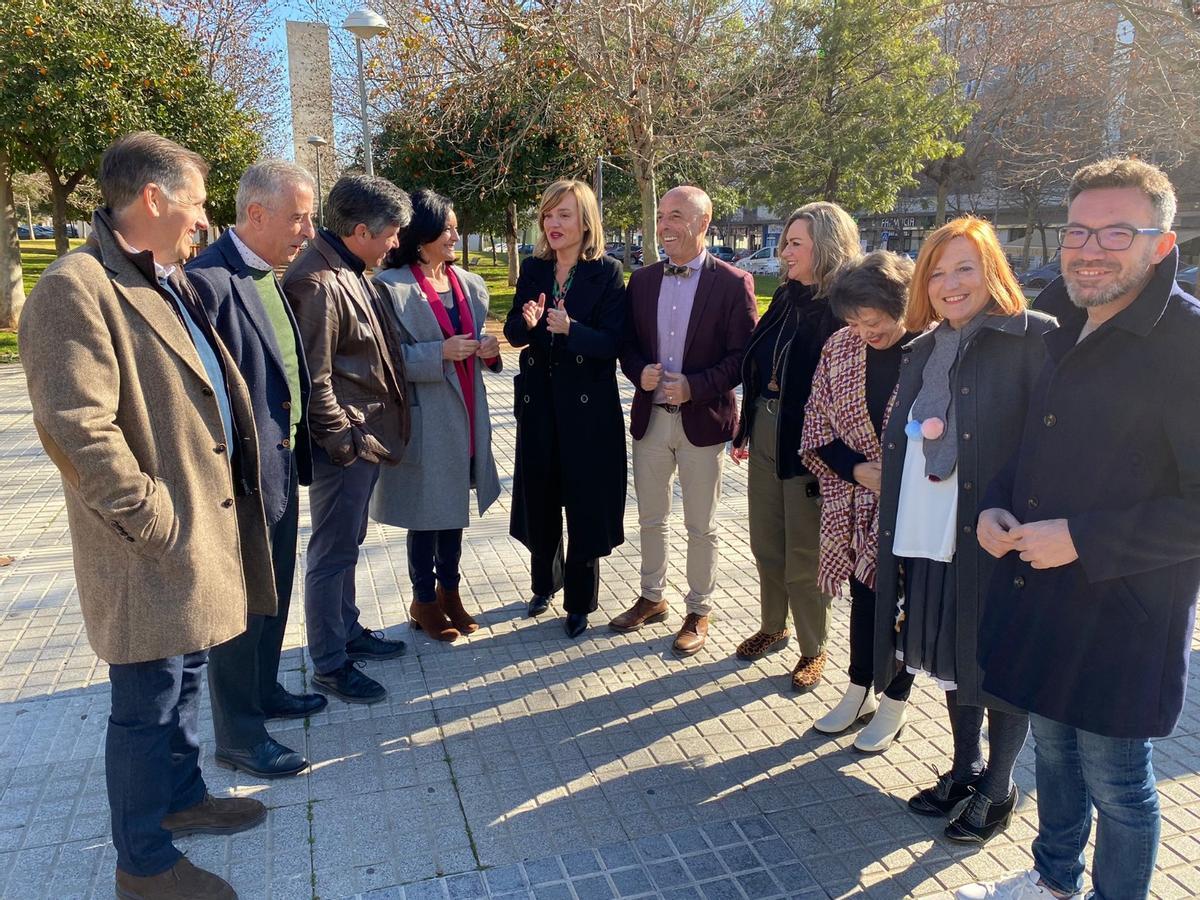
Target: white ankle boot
{"type": "Point", "coordinates": [857, 703]}
{"type": "Point", "coordinates": [884, 727]}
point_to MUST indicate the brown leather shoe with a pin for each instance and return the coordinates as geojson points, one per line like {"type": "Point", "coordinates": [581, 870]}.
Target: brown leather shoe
{"type": "Point", "coordinates": [429, 618]}
{"type": "Point", "coordinates": [807, 674]}
{"type": "Point", "coordinates": [183, 881]}
{"type": "Point", "coordinates": [452, 607]}
{"type": "Point", "coordinates": [643, 612]}
{"type": "Point", "coordinates": [761, 643]}
{"type": "Point", "coordinates": [691, 636]}
{"type": "Point", "coordinates": [213, 815]}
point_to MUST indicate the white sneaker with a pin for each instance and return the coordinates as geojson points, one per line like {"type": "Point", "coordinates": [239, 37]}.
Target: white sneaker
{"type": "Point", "coordinates": [884, 727]}
{"type": "Point", "coordinates": [1016, 887]}
{"type": "Point", "coordinates": [857, 703]}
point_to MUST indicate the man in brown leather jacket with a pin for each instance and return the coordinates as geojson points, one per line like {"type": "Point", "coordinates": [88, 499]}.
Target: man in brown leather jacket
{"type": "Point", "coordinates": [357, 415]}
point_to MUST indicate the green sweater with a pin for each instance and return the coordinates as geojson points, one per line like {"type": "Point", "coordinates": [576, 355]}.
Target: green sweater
{"type": "Point", "coordinates": [285, 338]}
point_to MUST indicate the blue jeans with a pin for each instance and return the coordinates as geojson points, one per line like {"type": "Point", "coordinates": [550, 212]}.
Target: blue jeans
{"type": "Point", "coordinates": [433, 558]}
{"type": "Point", "coordinates": [338, 501]}
{"type": "Point", "coordinates": [1076, 771]}
{"type": "Point", "coordinates": [152, 757]}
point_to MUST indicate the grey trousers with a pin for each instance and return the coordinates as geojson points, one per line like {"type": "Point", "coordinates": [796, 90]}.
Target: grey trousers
{"type": "Point", "coordinates": [785, 528]}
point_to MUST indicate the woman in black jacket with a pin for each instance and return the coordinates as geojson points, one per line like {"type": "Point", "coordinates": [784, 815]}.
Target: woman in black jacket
{"type": "Point", "coordinates": [777, 372]}
{"type": "Point", "coordinates": [960, 405]}
{"type": "Point", "coordinates": [569, 316]}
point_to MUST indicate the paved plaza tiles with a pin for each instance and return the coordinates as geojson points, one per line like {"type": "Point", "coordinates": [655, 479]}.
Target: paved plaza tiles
{"type": "Point", "coordinates": [513, 763]}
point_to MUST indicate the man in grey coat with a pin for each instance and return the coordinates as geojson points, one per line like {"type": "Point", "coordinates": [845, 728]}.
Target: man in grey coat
{"type": "Point", "coordinates": [142, 409]}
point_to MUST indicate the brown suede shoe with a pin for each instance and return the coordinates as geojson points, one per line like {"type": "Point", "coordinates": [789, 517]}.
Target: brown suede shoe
{"type": "Point", "coordinates": [213, 815]}
{"type": "Point", "coordinates": [761, 643]}
{"type": "Point", "coordinates": [807, 674]}
{"type": "Point", "coordinates": [452, 607]}
{"type": "Point", "coordinates": [429, 618]}
{"type": "Point", "coordinates": [183, 881]}
{"type": "Point", "coordinates": [643, 612]}
{"type": "Point", "coordinates": [691, 636]}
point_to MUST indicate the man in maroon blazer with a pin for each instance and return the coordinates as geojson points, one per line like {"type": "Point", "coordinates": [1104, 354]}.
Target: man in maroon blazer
{"type": "Point", "coordinates": [690, 320]}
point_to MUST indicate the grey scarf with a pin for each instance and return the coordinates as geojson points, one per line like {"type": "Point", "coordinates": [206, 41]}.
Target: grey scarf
{"type": "Point", "coordinates": [935, 397]}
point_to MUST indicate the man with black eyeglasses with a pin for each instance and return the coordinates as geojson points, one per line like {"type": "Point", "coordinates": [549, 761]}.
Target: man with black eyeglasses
{"type": "Point", "coordinates": [1096, 523]}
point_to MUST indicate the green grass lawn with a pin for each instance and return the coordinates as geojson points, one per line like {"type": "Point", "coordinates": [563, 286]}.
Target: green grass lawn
{"type": "Point", "coordinates": [35, 256]}
{"type": "Point", "coordinates": [8, 346]}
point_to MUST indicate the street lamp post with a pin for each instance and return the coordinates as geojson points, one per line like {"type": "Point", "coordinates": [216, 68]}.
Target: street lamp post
{"type": "Point", "coordinates": [317, 142]}
{"type": "Point", "coordinates": [365, 24]}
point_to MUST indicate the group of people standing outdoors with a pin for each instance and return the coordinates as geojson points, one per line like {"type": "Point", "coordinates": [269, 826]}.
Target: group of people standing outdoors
{"type": "Point", "coordinates": [1008, 496]}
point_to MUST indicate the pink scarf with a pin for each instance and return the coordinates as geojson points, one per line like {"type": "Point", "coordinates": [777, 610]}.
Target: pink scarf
{"type": "Point", "coordinates": [465, 367]}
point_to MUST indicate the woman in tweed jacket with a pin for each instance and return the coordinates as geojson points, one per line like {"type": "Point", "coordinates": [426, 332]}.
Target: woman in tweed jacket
{"type": "Point", "coordinates": [852, 396]}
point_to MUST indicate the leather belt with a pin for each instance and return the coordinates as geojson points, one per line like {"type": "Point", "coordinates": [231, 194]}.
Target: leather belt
{"type": "Point", "coordinates": [669, 407]}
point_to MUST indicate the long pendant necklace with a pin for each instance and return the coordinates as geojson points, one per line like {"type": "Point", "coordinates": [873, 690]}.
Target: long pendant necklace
{"type": "Point", "coordinates": [777, 353]}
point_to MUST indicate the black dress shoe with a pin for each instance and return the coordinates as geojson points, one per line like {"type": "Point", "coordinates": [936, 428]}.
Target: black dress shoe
{"type": "Point", "coordinates": [538, 604]}
{"type": "Point", "coordinates": [575, 625]}
{"type": "Point", "coordinates": [981, 819]}
{"type": "Point", "coordinates": [351, 685]}
{"type": "Point", "coordinates": [284, 705]}
{"type": "Point", "coordinates": [943, 797]}
{"type": "Point", "coordinates": [372, 645]}
{"type": "Point", "coordinates": [270, 759]}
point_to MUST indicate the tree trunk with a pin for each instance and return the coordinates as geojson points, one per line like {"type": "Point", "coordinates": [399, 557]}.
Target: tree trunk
{"type": "Point", "coordinates": [1029, 219]}
{"type": "Point", "coordinates": [629, 247]}
{"type": "Point", "coordinates": [1045, 245]}
{"type": "Point", "coordinates": [60, 194]}
{"type": "Point", "coordinates": [492, 238]}
{"type": "Point", "coordinates": [12, 290]}
{"type": "Point", "coordinates": [510, 235]}
{"type": "Point", "coordinates": [644, 174]}
{"type": "Point", "coordinates": [466, 239]}
{"type": "Point", "coordinates": [829, 192]}
{"type": "Point", "coordinates": [943, 195]}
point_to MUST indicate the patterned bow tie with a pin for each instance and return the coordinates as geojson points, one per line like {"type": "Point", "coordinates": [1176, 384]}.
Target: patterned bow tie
{"type": "Point", "coordinates": [681, 271]}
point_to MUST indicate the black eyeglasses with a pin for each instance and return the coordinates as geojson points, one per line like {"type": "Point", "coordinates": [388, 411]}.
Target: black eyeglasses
{"type": "Point", "coordinates": [1110, 237]}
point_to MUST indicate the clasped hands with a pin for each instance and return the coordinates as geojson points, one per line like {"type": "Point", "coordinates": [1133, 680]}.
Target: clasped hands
{"type": "Point", "coordinates": [1044, 545]}
{"type": "Point", "coordinates": [460, 346]}
{"type": "Point", "coordinates": [676, 389]}
{"type": "Point", "coordinates": [557, 320]}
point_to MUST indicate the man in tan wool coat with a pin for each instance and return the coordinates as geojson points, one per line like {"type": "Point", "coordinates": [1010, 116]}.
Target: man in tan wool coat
{"type": "Point", "coordinates": [144, 413]}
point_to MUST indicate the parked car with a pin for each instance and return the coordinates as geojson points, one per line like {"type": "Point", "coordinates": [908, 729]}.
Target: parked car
{"type": "Point", "coordinates": [743, 253]}
{"type": "Point", "coordinates": [1186, 278]}
{"type": "Point", "coordinates": [725, 254]}
{"type": "Point", "coordinates": [43, 232]}
{"type": "Point", "coordinates": [761, 262]}
{"type": "Point", "coordinates": [524, 249]}
{"type": "Point", "coordinates": [617, 251]}
{"type": "Point", "coordinates": [1041, 276]}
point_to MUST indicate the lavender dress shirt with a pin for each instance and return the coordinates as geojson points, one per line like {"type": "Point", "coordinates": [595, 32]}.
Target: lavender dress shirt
{"type": "Point", "coordinates": [675, 300]}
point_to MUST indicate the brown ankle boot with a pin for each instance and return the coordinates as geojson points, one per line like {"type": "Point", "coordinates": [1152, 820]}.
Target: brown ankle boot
{"type": "Point", "coordinates": [428, 617]}
{"type": "Point", "coordinates": [452, 607]}
{"type": "Point", "coordinates": [216, 815]}
{"type": "Point", "coordinates": [183, 881]}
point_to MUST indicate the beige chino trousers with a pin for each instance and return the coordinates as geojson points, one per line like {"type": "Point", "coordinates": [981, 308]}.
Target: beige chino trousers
{"type": "Point", "coordinates": [785, 534]}
{"type": "Point", "coordinates": [663, 450]}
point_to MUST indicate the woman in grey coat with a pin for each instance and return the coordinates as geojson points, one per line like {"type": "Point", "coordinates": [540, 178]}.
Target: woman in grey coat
{"type": "Point", "coordinates": [960, 405]}
{"type": "Point", "coordinates": [438, 313]}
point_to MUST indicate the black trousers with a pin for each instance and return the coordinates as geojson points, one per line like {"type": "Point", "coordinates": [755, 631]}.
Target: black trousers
{"type": "Point", "coordinates": [552, 567]}
{"type": "Point", "coordinates": [243, 673]}
{"type": "Point", "coordinates": [862, 643]}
